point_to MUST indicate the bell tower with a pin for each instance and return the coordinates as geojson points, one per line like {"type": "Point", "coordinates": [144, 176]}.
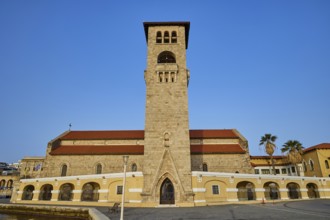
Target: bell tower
{"type": "Point", "coordinates": [167, 162]}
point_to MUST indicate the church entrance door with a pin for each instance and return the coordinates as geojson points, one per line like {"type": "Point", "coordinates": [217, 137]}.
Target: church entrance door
{"type": "Point", "coordinates": [167, 192]}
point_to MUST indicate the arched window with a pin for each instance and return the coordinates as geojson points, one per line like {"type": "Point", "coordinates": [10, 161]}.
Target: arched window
{"type": "Point", "coordinates": [173, 37]}
{"type": "Point", "coordinates": [64, 170]}
{"type": "Point", "coordinates": [166, 57]}
{"type": "Point", "coordinates": [90, 192]}
{"type": "Point", "coordinates": [305, 166]}
{"type": "Point", "coordinates": [46, 192]}
{"type": "Point", "coordinates": [134, 167]}
{"type": "Point", "coordinates": [66, 192]}
{"type": "Point", "coordinates": [10, 184]}
{"type": "Point", "coordinates": [159, 37]}
{"type": "Point", "coordinates": [166, 37]}
{"type": "Point", "coordinates": [311, 164]}
{"type": "Point", "coordinates": [2, 184]}
{"type": "Point", "coordinates": [326, 164]}
{"type": "Point", "coordinates": [28, 192]}
{"type": "Point", "coordinates": [205, 167]}
{"type": "Point", "coordinates": [98, 168]}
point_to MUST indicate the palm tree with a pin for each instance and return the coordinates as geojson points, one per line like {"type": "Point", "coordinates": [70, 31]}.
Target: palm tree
{"type": "Point", "coordinates": [268, 141]}
{"type": "Point", "coordinates": [294, 150]}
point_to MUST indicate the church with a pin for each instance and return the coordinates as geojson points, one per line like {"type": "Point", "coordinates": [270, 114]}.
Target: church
{"type": "Point", "coordinates": [167, 163]}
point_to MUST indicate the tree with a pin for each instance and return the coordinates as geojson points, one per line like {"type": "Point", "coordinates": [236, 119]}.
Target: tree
{"type": "Point", "coordinates": [269, 146]}
{"type": "Point", "coordinates": [294, 151]}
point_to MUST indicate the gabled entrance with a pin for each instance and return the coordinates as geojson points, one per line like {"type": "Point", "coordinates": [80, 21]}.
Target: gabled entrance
{"type": "Point", "coordinates": [167, 192]}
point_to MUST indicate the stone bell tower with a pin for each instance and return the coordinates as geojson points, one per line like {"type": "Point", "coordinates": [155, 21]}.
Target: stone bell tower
{"type": "Point", "coordinates": [167, 162]}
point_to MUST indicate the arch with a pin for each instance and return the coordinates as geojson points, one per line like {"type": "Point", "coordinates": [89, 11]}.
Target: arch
{"type": "Point", "coordinates": [98, 168]}
{"type": "Point", "coordinates": [312, 191]}
{"type": "Point", "coordinates": [271, 191]}
{"type": "Point", "coordinates": [28, 192]}
{"type": "Point", "coordinates": [10, 184]}
{"type": "Point", "coordinates": [166, 37]}
{"type": "Point", "coordinates": [64, 170]}
{"type": "Point", "coordinates": [205, 168]}
{"type": "Point", "coordinates": [173, 37]}
{"type": "Point", "coordinates": [159, 37]}
{"type": "Point", "coordinates": [66, 193]}
{"type": "Point", "coordinates": [2, 184]}
{"type": "Point", "coordinates": [246, 191]}
{"type": "Point", "coordinates": [293, 190]}
{"type": "Point", "coordinates": [90, 192]}
{"type": "Point", "coordinates": [326, 164]}
{"type": "Point", "coordinates": [167, 192]}
{"type": "Point", "coordinates": [134, 167]}
{"type": "Point", "coordinates": [166, 57]}
{"type": "Point", "coordinates": [46, 192]}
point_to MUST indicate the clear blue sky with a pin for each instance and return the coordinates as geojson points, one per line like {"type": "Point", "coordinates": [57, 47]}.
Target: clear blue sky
{"type": "Point", "coordinates": [257, 66]}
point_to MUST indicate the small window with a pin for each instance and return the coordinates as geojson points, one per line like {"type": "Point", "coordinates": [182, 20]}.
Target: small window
{"type": "Point", "coordinates": [205, 167]}
{"type": "Point", "coordinates": [98, 169]}
{"type": "Point", "coordinates": [215, 189]}
{"type": "Point", "coordinates": [305, 166]}
{"type": "Point", "coordinates": [166, 37]}
{"type": "Point", "coordinates": [326, 164]}
{"type": "Point", "coordinates": [265, 171]}
{"type": "Point", "coordinates": [293, 169]}
{"type": "Point", "coordinates": [159, 37]}
{"type": "Point", "coordinates": [172, 77]}
{"type": "Point", "coordinates": [160, 76]}
{"type": "Point", "coordinates": [119, 190]}
{"type": "Point", "coordinates": [311, 165]}
{"type": "Point", "coordinates": [277, 171]}
{"type": "Point", "coordinates": [134, 167]}
{"type": "Point", "coordinates": [166, 76]}
{"type": "Point", "coordinates": [256, 171]}
{"type": "Point", "coordinates": [64, 170]}
{"type": "Point", "coordinates": [173, 37]}
{"type": "Point", "coordinates": [283, 171]}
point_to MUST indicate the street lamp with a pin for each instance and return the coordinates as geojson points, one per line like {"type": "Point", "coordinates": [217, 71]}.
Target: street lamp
{"type": "Point", "coordinates": [125, 158]}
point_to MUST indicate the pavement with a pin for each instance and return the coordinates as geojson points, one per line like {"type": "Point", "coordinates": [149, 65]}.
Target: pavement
{"type": "Point", "coordinates": [315, 209]}
{"type": "Point", "coordinates": [293, 210]}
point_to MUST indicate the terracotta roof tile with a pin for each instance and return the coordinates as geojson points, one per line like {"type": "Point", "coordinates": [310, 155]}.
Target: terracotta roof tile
{"type": "Point", "coordinates": [224, 133]}
{"type": "Point", "coordinates": [97, 135]}
{"type": "Point", "coordinates": [217, 149]}
{"type": "Point", "coordinates": [319, 146]}
{"type": "Point", "coordinates": [139, 134]}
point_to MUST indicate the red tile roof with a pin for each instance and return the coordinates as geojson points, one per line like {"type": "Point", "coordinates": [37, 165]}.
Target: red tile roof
{"type": "Point", "coordinates": [98, 150]}
{"type": "Point", "coordinates": [224, 133]}
{"type": "Point", "coordinates": [139, 134]}
{"type": "Point", "coordinates": [103, 135]}
{"type": "Point", "coordinates": [319, 146]}
{"type": "Point", "coordinates": [217, 149]}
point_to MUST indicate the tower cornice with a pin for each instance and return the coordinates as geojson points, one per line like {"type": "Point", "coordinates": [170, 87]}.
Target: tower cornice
{"type": "Point", "coordinates": [186, 24]}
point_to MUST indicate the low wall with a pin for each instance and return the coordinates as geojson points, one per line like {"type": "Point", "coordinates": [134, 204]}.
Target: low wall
{"type": "Point", "coordinates": [78, 213]}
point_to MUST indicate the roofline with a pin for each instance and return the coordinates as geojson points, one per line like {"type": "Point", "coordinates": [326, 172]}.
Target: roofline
{"type": "Point", "coordinates": [186, 24]}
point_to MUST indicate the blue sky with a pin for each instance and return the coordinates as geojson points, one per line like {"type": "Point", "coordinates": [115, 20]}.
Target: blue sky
{"type": "Point", "coordinates": [257, 66]}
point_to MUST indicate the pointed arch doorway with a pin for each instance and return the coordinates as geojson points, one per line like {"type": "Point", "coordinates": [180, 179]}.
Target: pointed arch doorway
{"type": "Point", "coordinates": [167, 192]}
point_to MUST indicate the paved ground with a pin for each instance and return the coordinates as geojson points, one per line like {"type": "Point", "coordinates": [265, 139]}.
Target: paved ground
{"type": "Point", "coordinates": [292, 210]}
